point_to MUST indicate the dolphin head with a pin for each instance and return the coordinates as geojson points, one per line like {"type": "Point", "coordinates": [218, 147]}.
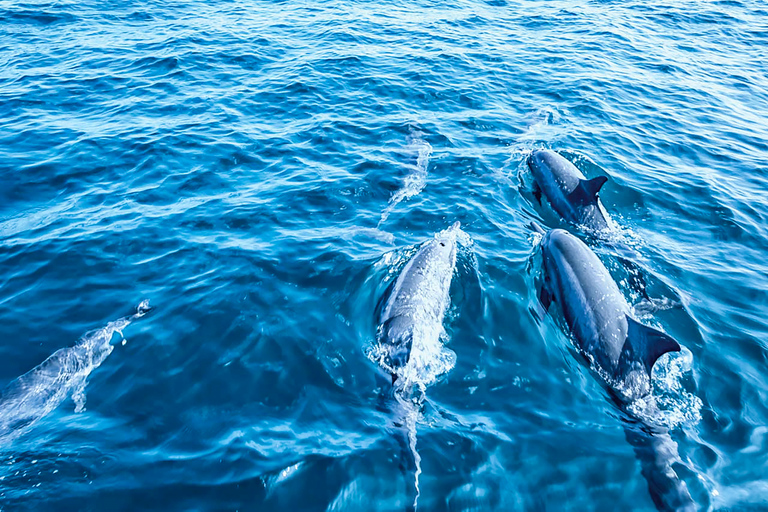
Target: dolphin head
{"type": "Point", "coordinates": [541, 162]}
{"type": "Point", "coordinates": [444, 244]}
{"type": "Point", "coordinates": [556, 245]}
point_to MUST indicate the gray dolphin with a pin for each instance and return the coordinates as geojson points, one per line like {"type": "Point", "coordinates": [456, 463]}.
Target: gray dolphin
{"type": "Point", "coordinates": [623, 350]}
{"type": "Point", "coordinates": [416, 302]}
{"type": "Point", "coordinates": [570, 193]}
{"type": "Point", "coordinates": [410, 324]}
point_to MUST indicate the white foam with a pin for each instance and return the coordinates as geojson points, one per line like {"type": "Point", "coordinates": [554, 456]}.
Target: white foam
{"type": "Point", "coordinates": [415, 182]}
{"type": "Point", "coordinates": [671, 404]}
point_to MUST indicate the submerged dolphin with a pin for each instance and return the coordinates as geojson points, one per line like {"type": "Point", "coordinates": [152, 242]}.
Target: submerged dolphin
{"type": "Point", "coordinates": [571, 195]}
{"type": "Point", "coordinates": [416, 302]}
{"type": "Point", "coordinates": [623, 350]}
{"type": "Point", "coordinates": [30, 397]}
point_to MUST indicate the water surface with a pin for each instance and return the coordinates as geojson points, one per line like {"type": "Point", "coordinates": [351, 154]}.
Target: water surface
{"type": "Point", "coordinates": [259, 170]}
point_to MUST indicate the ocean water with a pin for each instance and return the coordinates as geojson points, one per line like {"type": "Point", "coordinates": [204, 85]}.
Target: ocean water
{"type": "Point", "coordinates": [261, 170]}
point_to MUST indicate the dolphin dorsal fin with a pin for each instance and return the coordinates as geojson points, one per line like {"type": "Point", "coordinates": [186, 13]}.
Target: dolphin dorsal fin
{"type": "Point", "coordinates": [645, 344]}
{"type": "Point", "coordinates": [586, 191]}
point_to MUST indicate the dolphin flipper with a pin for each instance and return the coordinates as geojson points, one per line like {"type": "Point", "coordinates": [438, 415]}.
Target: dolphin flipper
{"type": "Point", "coordinates": [586, 191]}
{"type": "Point", "coordinates": [645, 344]}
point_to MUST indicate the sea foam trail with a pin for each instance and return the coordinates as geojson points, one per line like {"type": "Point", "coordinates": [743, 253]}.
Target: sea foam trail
{"type": "Point", "coordinates": [35, 394]}
{"type": "Point", "coordinates": [415, 181]}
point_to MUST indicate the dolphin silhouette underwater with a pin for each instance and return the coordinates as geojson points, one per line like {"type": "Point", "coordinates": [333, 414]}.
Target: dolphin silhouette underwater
{"type": "Point", "coordinates": [28, 398]}
{"type": "Point", "coordinates": [623, 350]}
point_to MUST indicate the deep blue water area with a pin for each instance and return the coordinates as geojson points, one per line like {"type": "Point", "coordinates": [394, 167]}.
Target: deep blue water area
{"type": "Point", "coordinates": [261, 170]}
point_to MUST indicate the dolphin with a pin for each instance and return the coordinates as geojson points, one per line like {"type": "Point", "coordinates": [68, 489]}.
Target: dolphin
{"type": "Point", "coordinates": [28, 398]}
{"type": "Point", "coordinates": [568, 191]}
{"type": "Point", "coordinates": [410, 323]}
{"type": "Point", "coordinates": [622, 349]}
{"type": "Point", "coordinates": [416, 301]}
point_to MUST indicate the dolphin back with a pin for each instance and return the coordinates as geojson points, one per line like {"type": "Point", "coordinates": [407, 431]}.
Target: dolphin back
{"type": "Point", "coordinates": [415, 305]}
{"type": "Point", "coordinates": [568, 191]}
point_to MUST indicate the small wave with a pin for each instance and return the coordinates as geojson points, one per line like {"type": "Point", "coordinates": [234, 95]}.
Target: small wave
{"type": "Point", "coordinates": [541, 126]}
{"type": "Point", "coordinates": [416, 180]}
{"type": "Point", "coordinates": [35, 394]}
{"type": "Point", "coordinates": [671, 404]}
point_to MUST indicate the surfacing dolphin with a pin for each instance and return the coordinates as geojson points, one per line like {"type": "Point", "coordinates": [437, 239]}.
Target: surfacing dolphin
{"type": "Point", "coordinates": [410, 326]}
{"type": "Point", "coordinates": [411, 318]}
{"type": "Point", "coordinates": [622, 349]}
{"type": "Point", "coordinates": [567, 190]}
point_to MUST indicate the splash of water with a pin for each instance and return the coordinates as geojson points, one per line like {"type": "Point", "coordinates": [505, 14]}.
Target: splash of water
{"type": "Point", "coordinates": [415, 182]}
{"type": "Point", "coordinates": [410, 410]}
{"type": "Point", "coordinates": [411, 426]}
{"type": "Point", "coordinates": [29, 398]}
{"type": "Point", "coordinates": [541, 125]}
{"type": "Point", "coordinates": [673, 404]}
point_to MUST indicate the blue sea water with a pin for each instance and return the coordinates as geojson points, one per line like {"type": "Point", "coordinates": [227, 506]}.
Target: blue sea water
{"type": "Point", "coordinates": [260, 170]}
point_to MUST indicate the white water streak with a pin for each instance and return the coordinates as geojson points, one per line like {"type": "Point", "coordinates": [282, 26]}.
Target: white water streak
{"type": "Point", "coordinates": [415, 181]}
{"type": "Point", "coordinates": [410, 425]}
{"type": "Point", "coordinates": [29, 398]}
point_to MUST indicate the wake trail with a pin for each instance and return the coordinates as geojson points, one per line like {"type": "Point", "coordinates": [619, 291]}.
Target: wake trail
{"type": "Point", "coordinates": [415, 182]}
{"type": "Point", "coordinates": [410, 425]}
{"type": "Point", "coordinates": [408, 416]}
{"type": "Point", "coordinates": [31, 397]}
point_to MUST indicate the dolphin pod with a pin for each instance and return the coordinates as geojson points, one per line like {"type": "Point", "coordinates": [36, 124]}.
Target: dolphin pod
{"type": "Point", "coordinates": [410, 319]}
{"type": "Point", "coordinates": [621, 349]}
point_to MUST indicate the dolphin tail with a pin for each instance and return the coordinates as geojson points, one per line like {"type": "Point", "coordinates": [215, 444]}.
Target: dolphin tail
{"type": "Point", "coordinates": [658, 454]}
{"type": "Point", "coordinates": [645, 344]}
